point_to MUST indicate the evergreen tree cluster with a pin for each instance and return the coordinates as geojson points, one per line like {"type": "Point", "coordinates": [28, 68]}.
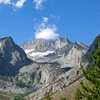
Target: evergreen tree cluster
{"type": "Point", "coordinates": [91, 91]}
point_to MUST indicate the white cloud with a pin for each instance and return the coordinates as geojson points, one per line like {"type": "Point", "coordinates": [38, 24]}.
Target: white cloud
{"type": "Point", "coordinates": [5, 1]}
{"type": "Point", "coordinates": [41, 24]}
{"type": "Point", "coordinates": [39, 4]}
{"type": "Point", "coordinates": [55, 17]}
{"type": "Point", "coordinates": [45, 19]}
{"type": "Point", "coordinates": [47, 33]}
{"type": "Point", "coordinates": [20, 3]}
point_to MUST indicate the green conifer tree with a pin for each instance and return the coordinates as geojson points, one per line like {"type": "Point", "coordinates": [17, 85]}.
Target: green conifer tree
{"type": "Point", "coordinates": [91, 91]}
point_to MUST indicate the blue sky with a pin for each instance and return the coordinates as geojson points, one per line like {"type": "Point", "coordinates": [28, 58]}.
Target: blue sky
{"type": "Point", "coordinates": [78, 20]}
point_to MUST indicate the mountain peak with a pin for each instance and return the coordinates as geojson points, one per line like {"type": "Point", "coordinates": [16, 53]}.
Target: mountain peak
{"type": "Point", "coordinates": [6, 38]}
{"type": "Point", "coordinates": [62, 39]}
{"type": "Point", "coordinates": [12, 57]}
{"type": "Point", "coordinates": [41, 43]}
{"type": "Point", "coordinates": [8, 41]}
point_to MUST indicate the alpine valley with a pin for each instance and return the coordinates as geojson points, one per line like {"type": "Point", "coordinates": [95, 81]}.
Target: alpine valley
{"type": "Point", "coordinates": [41, 67]}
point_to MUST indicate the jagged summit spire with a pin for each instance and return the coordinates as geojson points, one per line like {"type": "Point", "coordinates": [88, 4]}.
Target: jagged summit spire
{"type": "Point", "coordinates": [41, 43]}
{"type": "Point", "coordinates": [6, 38]}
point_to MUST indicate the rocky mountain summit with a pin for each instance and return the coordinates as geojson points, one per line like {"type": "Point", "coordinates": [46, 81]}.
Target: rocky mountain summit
{"type": "Point", "coordinates": [12, 57]}
{"type": "Point", "coordinates": [43, 45]}
{"type": "Point", "coordinates": [61, 50]}
{"type": "Point", "coordinates": [40, 66]}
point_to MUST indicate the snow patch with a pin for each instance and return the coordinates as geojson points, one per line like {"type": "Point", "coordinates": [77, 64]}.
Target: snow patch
{"type": "Point", "coordinates": [29, 51]}
{"type": "Point", "coordinates": [41, 54]}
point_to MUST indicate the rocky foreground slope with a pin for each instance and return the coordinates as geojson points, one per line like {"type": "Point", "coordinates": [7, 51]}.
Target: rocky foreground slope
{"type": "Point", "coordinates": [44, 67]}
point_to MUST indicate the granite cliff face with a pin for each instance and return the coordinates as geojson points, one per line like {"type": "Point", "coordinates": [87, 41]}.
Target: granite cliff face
{"type": "Point", "coordinates": [43, 45]}
{"type": "Point", "coordinates": [12, 57]}
{"type": "Point", "coordinates": [61, 50]}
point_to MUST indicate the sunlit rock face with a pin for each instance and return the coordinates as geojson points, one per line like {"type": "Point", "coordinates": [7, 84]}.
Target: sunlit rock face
{"type": "Point", "coordinates": [12, 57]}
{"type": "Point", "coordinates": [40, 66]}
{"type": "Point", "coordinates": [61, 50]}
